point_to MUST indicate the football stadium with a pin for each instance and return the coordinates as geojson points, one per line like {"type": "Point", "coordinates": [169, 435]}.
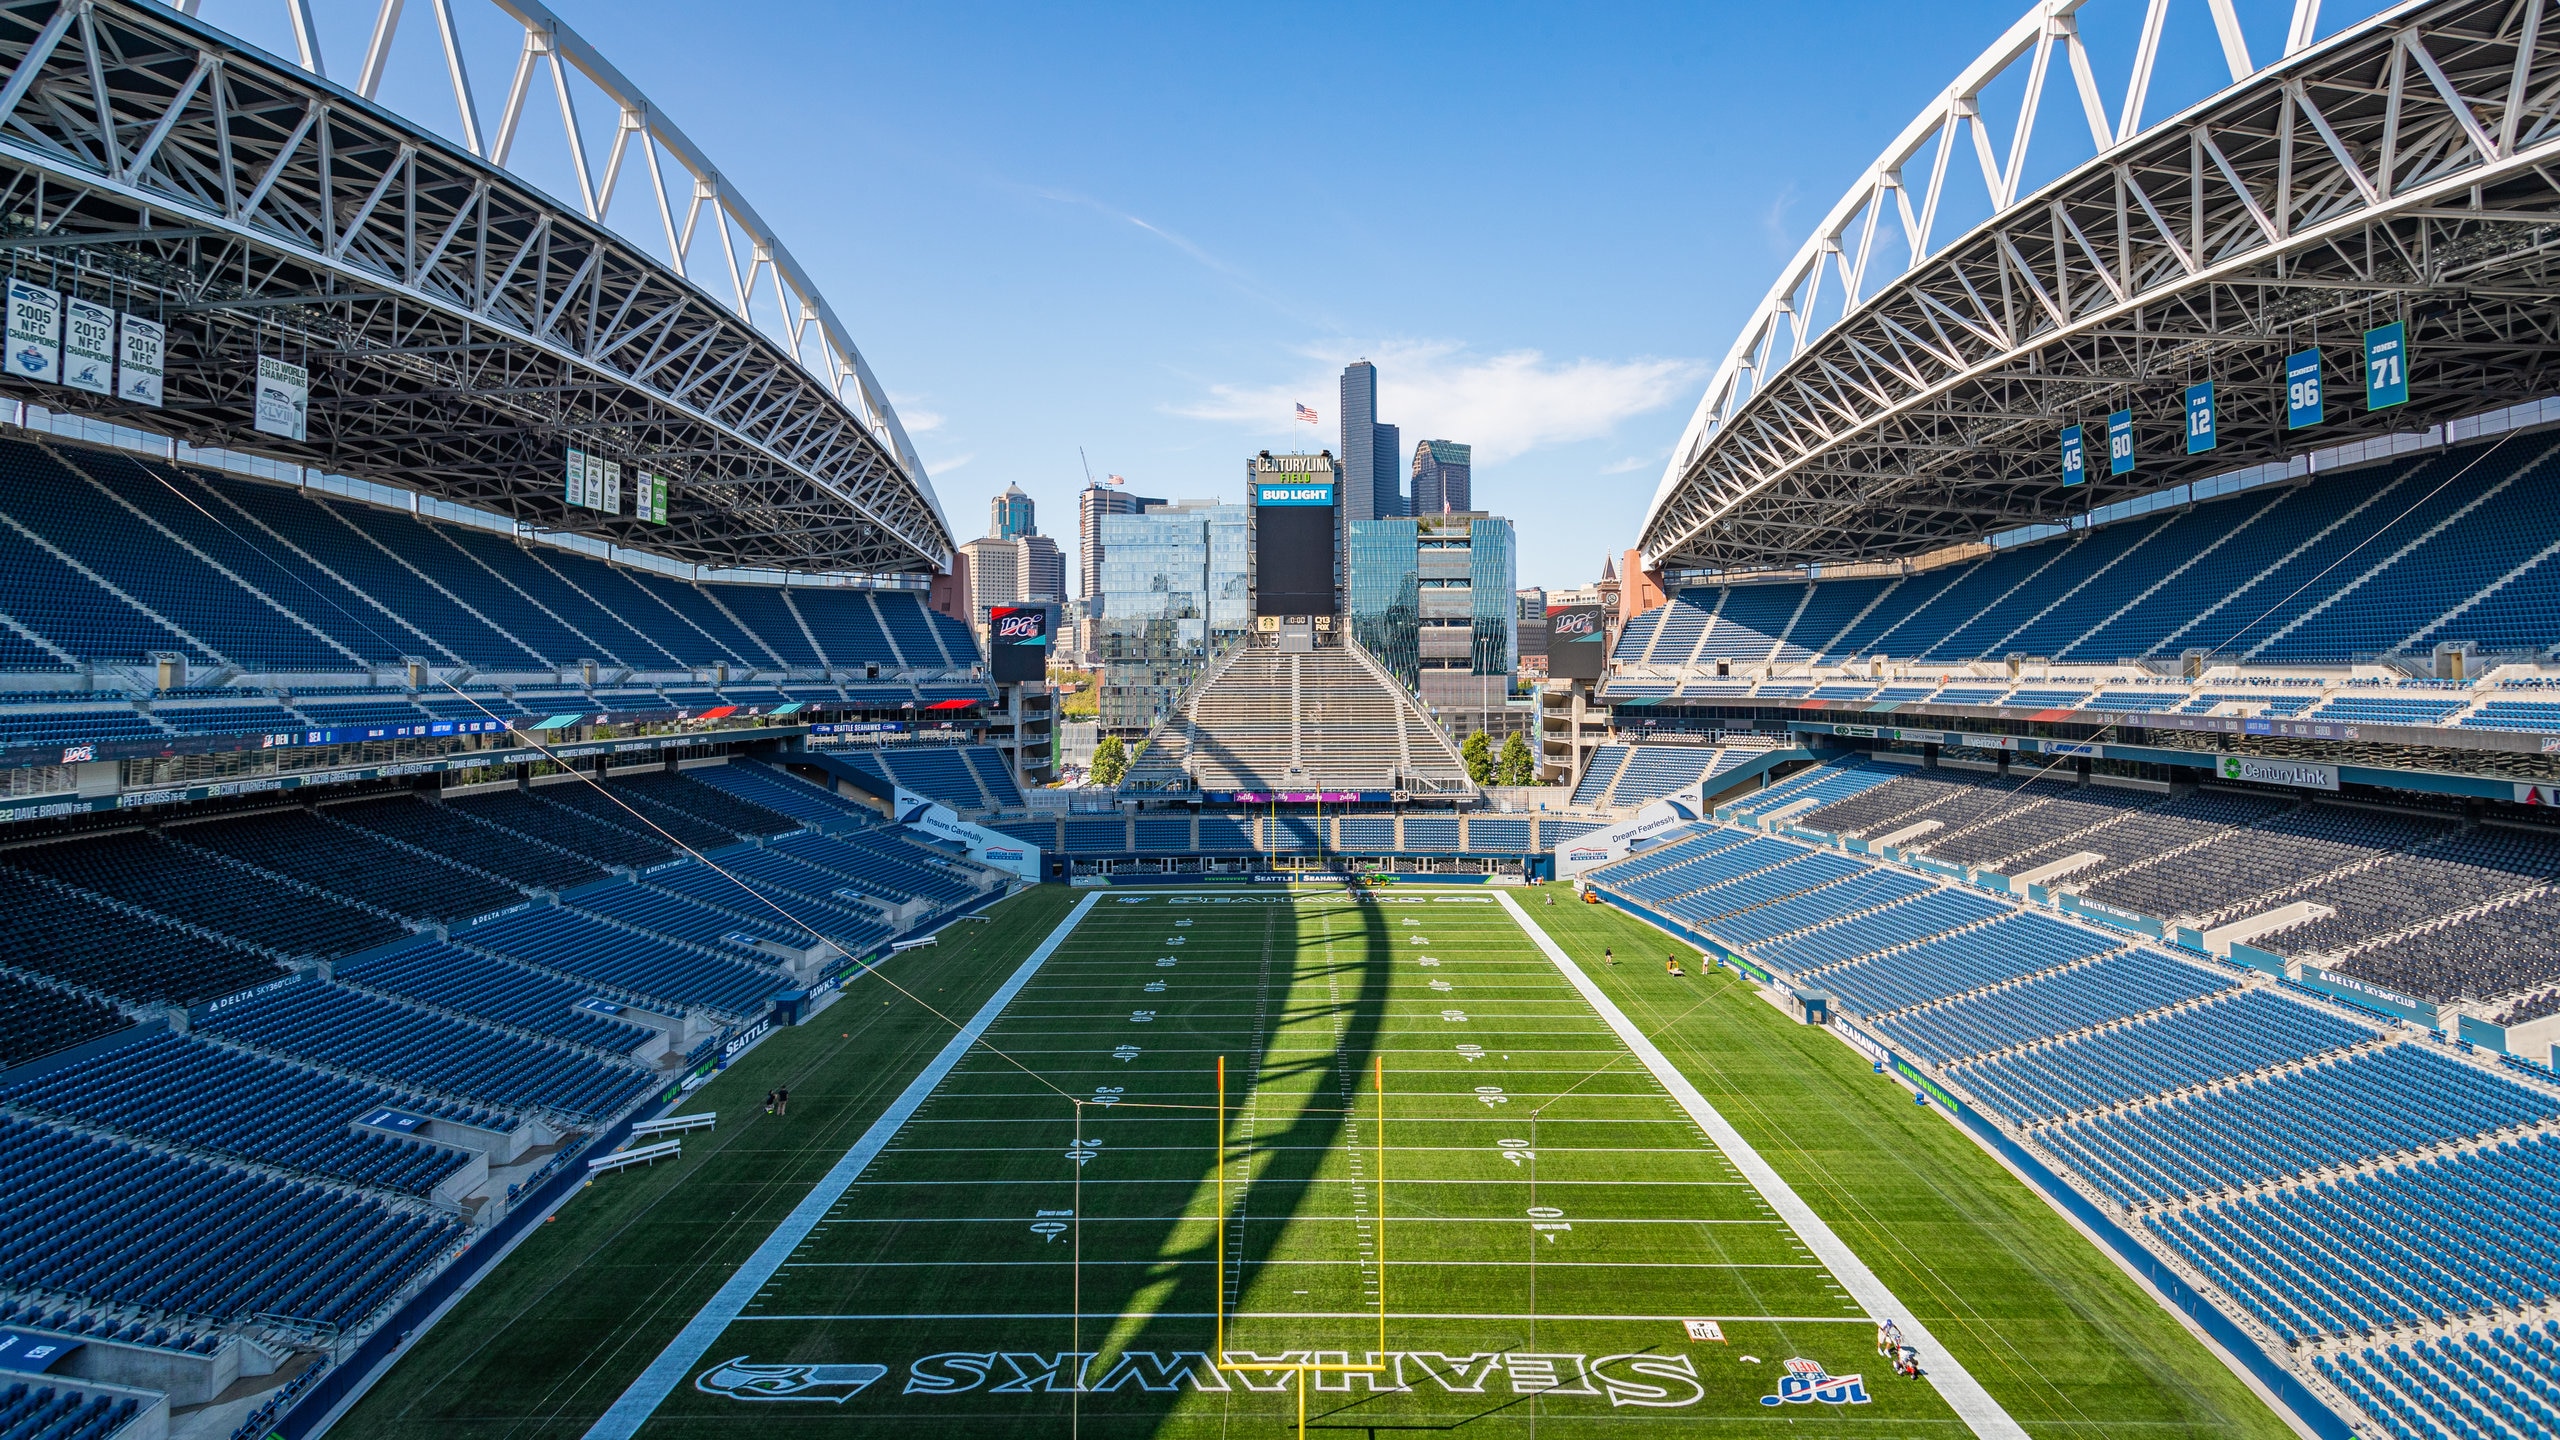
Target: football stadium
{"type": "Point", "coordinates": [522, 914]}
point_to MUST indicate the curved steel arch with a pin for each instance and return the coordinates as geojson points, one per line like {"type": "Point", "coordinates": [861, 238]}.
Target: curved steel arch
{"type": "Point", "coordinates": [1924, 412]}
{"type": "Point", "coordinates": [463, 327]}
{"type": "Point", "coordinates": [802, 314]}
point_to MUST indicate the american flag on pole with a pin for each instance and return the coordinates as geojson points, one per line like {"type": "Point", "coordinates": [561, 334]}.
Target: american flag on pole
{"type": "Point", "coordinates": [1306, 414]}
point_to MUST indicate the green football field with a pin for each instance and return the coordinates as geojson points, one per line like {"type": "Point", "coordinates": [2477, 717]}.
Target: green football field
{"type": "Point", "coordinates": [1542, 1215]}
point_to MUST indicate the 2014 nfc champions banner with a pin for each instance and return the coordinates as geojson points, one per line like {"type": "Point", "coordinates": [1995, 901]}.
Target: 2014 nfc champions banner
{"type": "Point", "coordinates": [65, 340]}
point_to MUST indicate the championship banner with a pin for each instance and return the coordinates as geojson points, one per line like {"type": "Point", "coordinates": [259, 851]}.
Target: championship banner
{"type": "Point", "coordinates": [610, 501]}
{"type": "Point", "coordinates": [284, 399]}
{"type": "Point", "coordinates": [141, 358]}
{"type": "Point", "coordinates": [2200, 433]}
{"type": "Point", "coordinates": [2302, 405]}
{"type": "Point", "coordinates": [575, 475]}
{"type": "Point", "coordinates": [88, 347]}
{"type": "Point", "coordinates": [2075, 460]}
{"type": "Point", "coordinates": [35, 332]}
{"type": "Point", "coordinates": [2386, 366]}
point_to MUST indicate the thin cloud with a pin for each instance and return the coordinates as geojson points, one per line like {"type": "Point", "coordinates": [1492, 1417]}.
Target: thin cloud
{"type": "Point", "coordinates": [1505, 404]}
{"type": "Point", "coordinates": [1235, 275]}
{"type": "Point", "coordinates": [1773, 221]}
{"type": "Point", "coordinates": [1628, 466]}
{"type": "Point", "coordinates": [945, 467]}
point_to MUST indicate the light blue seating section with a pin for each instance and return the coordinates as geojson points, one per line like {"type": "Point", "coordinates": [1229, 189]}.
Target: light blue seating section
{"type": "Point", "coordinates": [2007, 948]}
{"type": "Point", "coordinates": [183, 1091]}
{"type": "Point", "coordinates": [1653, 771]}
{"type": "Point", "coordinates": [2232, 1035]}
{"type": "Point", "coordinates": [487, 988]}
{"type": "Point", "coordinates": [2389, 557]}
{"type": "Point", "coordinates": [1376, 833]}
{"type": "Point", "coordinates": [2052, 1004]}
{"type": "Point", "coordinates": [2352, 1255]}
{"type": "Point", "coordinates": [1868, 890]}
{"type": "Point", "coordinates": [335, 1026]}
{"type": "Point", "coordinates": [1739, 897]}
{"type": "Point", "coordinates": [1605, 764]}
{"type": "Point", "coordinates": [314, 584]}
{"type": "Point", "coordinates": [1097, 836]}
{"type": "Point", "coordinates": [2332, 1112]}
{"type": "Point", "coordinates": [127, 1225]}
{"type": "Point", "coordinates": [781, 791]}
{"type": "Point", "coordinates": [2455, 1388]}
{"type": "Point", "coordinates": [1488, 836]}
{"type": "Point", "coordinates": [1430, 835]}
{"type": "Point", "coordinates": [1905, 923]}
{"type": "Point", "coordinates": [35, 1409]}
{"type": "Point", "coordinates": [573, 944]}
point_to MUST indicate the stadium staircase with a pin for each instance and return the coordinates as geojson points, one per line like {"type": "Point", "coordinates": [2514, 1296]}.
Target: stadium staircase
{"type": "Point", "coordinates": [1263, 719]}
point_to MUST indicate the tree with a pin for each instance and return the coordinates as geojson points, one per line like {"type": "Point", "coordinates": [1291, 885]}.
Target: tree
{"type": "Point", "coordinates": [1517, 766]}
{"type": "Point", "coordinates": [1110, 760]}
{"type": "Point", "coordinates": [1478, 753]}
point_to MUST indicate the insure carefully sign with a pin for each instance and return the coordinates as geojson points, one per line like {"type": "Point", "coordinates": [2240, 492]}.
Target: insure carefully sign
{"type": "Point", "coordinates": [2200, 436]}
{"type": "Point", "coordinates": [2386, 366]}
{"type": "Point", "coordinates": [88, 347]}
{"type": "Point", "coordinates": [2075, 459]}
{"type": "Point", "coordinates": [2302, 388]}
{"type": "Point", "coordinates": [2280, 772]}
{"type": "Point", "coordinates": [284, 398]}
{"type": "Point", "coordinates": [2120, 442]}
{"type": "Point", "coordinates": [35, 332]}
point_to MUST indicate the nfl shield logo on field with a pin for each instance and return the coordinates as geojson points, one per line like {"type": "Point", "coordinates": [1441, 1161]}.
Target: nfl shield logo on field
{"type": "Point", "coordinates": [741, 1381]}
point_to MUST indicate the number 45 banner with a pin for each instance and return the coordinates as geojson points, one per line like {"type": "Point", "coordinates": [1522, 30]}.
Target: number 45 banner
{"type": "Point", "coordinates": [2386, 366]}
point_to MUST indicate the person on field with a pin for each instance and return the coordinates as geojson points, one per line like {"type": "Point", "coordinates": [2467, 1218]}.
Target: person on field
{"type": "Point", "coordinates": [1671, 965]}
{"type": "Point", "coordinates": [768, 1102]}
{"type": "Point", "coordinates": [1609, 956]}
{"type": "Point", "coordinates": [782, 1101]}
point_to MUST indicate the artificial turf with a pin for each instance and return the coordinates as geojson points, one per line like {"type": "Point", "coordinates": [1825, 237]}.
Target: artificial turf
{"type": "Point", "coordinates": [1509, 1108]}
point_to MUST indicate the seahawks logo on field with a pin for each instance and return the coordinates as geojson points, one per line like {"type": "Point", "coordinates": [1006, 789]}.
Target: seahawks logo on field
{"type": "Point", "coordinates": [739, 1380]}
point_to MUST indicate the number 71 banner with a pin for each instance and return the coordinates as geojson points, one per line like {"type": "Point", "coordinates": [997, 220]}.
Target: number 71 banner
{"type": "Point", "coordinates": [2386, 366]}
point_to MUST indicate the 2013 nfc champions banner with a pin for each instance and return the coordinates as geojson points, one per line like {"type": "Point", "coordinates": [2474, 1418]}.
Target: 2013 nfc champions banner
{"type": "Point", "coordinates": [65, 340]}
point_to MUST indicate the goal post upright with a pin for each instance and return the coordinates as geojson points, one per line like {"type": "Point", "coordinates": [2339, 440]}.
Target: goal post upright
{"type": "Point", "coordinates": [1303, 1368]}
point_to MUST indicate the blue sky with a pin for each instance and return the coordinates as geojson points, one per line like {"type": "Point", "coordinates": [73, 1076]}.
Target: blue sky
{"type": "Point", "coordinates": [1150, 230]}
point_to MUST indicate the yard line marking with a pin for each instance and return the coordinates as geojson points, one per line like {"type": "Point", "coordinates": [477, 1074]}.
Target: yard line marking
{"type": "Point", "coordinates": [686, 1350]}
{"type": "Point", "coordinates": [1327, 1264]}
{"type": "Point", "coordinates": [1963, 1393]}
{"type": "Point", "coordinates": [1343, 1315]}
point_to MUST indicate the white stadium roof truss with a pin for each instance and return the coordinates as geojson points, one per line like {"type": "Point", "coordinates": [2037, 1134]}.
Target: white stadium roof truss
{"type": "Point", "coordinates": [2406, 168]}
{"type": "Point", "coordinates": [464, 328]}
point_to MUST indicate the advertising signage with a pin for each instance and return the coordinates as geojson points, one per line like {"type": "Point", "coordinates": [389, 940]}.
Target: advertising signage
{"type": "Point", "coordinates": [1295, 531]}
{"type": "Point", "coordinates": [1577, 642]}
{"type": "Point", "coordinates": [1018, 642]}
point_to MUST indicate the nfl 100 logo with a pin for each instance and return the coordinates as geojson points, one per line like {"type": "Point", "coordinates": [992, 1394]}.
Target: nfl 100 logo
{"type": "Point", "coordinates": [1023, 625]}
{"type": "Point", "coordinates": [1805, 1384]}
{"type": "Point", "coordinates": [1573, 625]}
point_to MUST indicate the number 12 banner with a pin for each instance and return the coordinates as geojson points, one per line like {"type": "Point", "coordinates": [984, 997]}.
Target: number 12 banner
{"type": "Point", "coordinates": [2200, 433]}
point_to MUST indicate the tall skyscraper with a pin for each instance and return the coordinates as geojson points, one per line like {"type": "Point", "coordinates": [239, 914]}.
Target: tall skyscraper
{"type": "Point", "coordinates": [1095, 502]}
{"type": "Point", "coordinates": [1009, 515]}
{"type": "Point", "coordinates": [1044, 569]}
{"type": "Point", "coordinates": [1442, 477]}
{"type": "Point", "coordinates": [1174, 593]}
{"type": "Point", "coordinates": [1434, 600]}
{"type": "Point", "coordinates": [1371, 487]}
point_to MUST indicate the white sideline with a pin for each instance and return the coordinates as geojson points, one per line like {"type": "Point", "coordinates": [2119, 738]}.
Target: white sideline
{"type": "Point", "coordinates": [685, 1351]}
{"type": "Point", "coordinates": [1962, 1392]}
